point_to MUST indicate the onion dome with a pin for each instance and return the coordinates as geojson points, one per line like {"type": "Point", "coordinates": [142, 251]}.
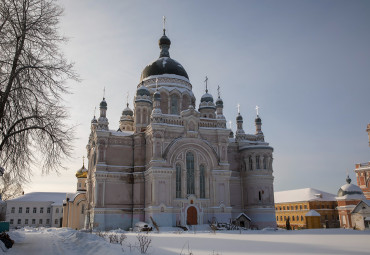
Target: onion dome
{"type": "Point", "coordinates": [219, 102]}
{"type": "Point", "coordinates": [207, 98]}
{"type": "Point", "coordinates": [94, 120]}
{"type": "Point", "coordinates": [258, 120]}
{"type": "Point", "coordinates": [103, 104]}
{"type": "Point", "coordinates": [164, 64]}
{"type": "Point", "coordinates": [142, 91]}
{"type": "Point", "coordinates": [239, 118]}
{"type": "Point", "coordinates": [82, 173]}
{"type": "Point", "coordinates": [350, 190]}
{"type": "Point", "coordinates": [164, 40]}
{"type": "Point", "coordinates": [127, 111]}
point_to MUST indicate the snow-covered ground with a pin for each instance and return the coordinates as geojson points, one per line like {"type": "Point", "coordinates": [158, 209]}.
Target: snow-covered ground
{"type": "Point", "coordinates": [170, 241]}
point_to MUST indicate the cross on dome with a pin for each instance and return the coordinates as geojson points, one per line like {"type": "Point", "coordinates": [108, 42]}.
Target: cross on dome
{"type": "Point", "coordinates": [218, 91]}
{"type": "Point", "coordinates": [164, 24]}
{"type": "Point", "coordinates": [257, 108]}
{"type": "Point", "coordinates": [238, 108]}
{"type": "Point", "coordinates": [206, 81]}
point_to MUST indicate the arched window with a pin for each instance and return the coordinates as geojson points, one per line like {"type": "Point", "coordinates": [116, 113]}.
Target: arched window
{"type": "Point", "coordinates": [178, 181]}
{"type": "Point", "coordinates": [264, 162]}
{"type": "Point", "coordinates": [258, 162]}
{"type": "Point", "coordinates": [164, 103]}
{"type": "Point", "coordinates": [202, 182]}
{"type": "Point", "coordinates": [259, 195]}
{"type": "Point", "coordinates": [185, 102]}
{"type": "Point", "coordinates": [250, 164]}
{"type": "Point", "coordinates": [174, 104]}
{"type": "Point", "coordinates": [82, 209]}
{"type": "Point", "coordinates": [190, 173]}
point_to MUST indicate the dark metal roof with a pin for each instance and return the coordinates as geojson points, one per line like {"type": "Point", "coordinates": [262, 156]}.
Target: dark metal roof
{"type": "Point", "coordinates": [164, 65]}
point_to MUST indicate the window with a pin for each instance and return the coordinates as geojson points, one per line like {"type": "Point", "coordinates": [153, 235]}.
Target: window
{"type": "Point", "coordinates": [57, 210]}
{"type": "Point", "coordinates": [34, 210]}
{"type": "Point", "coordinates": [27, 210]}
{"type": "Point", "coordinates": [47, 221]}
{"type": "Point", "coordinates": [11, 221]}
{"type": "Point", "coordinates": [20, 210]}
{"type": "Point", "coordinates": [48, 210]}
{"type": "Point", "coordinates": [40, 221]}
{"type": "Point", "coordinates": [13, 210]}
{"type": "Point", "coordinates": [280, 208]}
{"type": "Point", "coordinates": [26, 221]}
{"type": "Point", "coordinates": [287, 207]}
{"type": "Point", "coordinates": [264, 162]}
{"type": "Point", "coordinates": [281, 217]}
{"type": "Point", "coordinates": [259, 196]}
{"type": "Point", "coordinates": [202, 182]}
{"type": "Point", "coordinates": [296, 207]}
{"type": "Point", "coordinates": [19, 221]}
{"type": "Point", "coordinates": [41, 209]}
{"type": "Point", "coordinates": [174, 104]}
{"type": "Point", "coordinates": [301, 218]}
{"type": "Point", "coordinates": [33, 221]}
{"type": "Point", "coordinates": [250, 163]}
{"type": "Point", "coordinates": [300, 207]}
{"type": "Point", "coordinates": [284, 217]}
{"type": "Point", "coordinates": [277, 218]}
{"type": "Point", "coordinates": [190, 173]}
{"type": "Point", "coordinates": [305, 206]}
{"type": "Point", "coordinates": [258, 162]}
{"type": "Point", "coordinates": [326, 217]}
{"type": "Point", "coordinates": [178, 181]}
{"type": "Point", "coordinates": [283, 207]}
{"type": "Point", "coordinates": [56, 221]}
{"type": "Point", "coordinates": [293, 217]}
{"type": "Point", "coordinates": [82, 209]}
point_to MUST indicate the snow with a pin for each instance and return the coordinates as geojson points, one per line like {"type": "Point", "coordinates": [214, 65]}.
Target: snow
{"type": "Point", "coordinates": [58, 241]}
{"type": "Point", "coordinates": [299, 195]}
{"type": "Point", "coordinates": [167, 76]}
{"type": "Point", "coordinates": [351, 188]}
{"type": "Point", "coordinates": [56, 197]}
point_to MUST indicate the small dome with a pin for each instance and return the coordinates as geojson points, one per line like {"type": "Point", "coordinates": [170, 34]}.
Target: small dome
{"type": "Point", "coordinates": [258, 120]}
{"type": "Point", "coordinates": [143, 91]}
{"type": "Point", "coordinates": [127, 111]}
{"type": "Point", "coordinates": [103, 104]}
{"type": "Point", "coordinates": [164, 40]}
{"type": "Point", "coordinates": [94, 120]}
{"type": "Point", "coordinates": [82, 173]}
{"type": "Point", "coordinates": [157, 96]}
{"type": "Point", "coordinates": [349, 189]}
{"type": "Point", "coordinates": [219, 102]}
{"type": "Point", "coordinates": [239, 118]}
{"type": "Point", "coordinates": [206, 98]}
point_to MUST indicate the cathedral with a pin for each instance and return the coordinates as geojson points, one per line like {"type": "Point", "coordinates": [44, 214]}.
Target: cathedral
{"type": "Point", "coordinates": [174, 161]}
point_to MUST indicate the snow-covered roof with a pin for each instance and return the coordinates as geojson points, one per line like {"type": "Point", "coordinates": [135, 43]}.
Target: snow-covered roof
{"type": "Point", "coordinates": [54, 197]}
{"type": "Point", "coordinates": [300, 195]}
{"type": "Point", "coordinates": [246, 216]}
{"type": "Point", "coordinates": [312, 213]}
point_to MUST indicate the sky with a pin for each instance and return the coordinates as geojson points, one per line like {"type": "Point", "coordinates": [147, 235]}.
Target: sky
{"type": "Point", "coordinates": [304, 63]}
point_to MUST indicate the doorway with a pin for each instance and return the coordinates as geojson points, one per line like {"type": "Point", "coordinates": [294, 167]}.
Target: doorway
{"type": "Point", "coordinates": [192, 217]}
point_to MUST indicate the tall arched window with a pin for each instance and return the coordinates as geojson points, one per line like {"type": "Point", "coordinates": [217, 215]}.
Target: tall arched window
{"type": "Point", "coordinates": [190, 173]}
{"type": "Point", "coordinates": [265, 162]}
{"type": "Point", "coordinates": [258, 162]}
{"type": "Point", "coordinates": [250, 164]}
{"type": "Point", "coordinates": [174, 105]}
{"type": "Point", "coordinates": [202, 182]}
{"type": "Point", "coordinates": [178, 181]}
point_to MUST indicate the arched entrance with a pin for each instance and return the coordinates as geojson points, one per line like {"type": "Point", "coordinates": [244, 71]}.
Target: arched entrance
{"type": "Point", "coordinates": [192, 216]}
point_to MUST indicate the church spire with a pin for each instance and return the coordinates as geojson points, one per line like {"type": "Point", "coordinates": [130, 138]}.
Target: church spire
{"type": "Point", "coordinates": [164, 42]}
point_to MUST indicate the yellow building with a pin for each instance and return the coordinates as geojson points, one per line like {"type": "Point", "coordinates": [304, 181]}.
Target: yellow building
{"type": "Point", "coordinates": [295, 204]}
{"type": "Point", "coordinates": [74, 207]}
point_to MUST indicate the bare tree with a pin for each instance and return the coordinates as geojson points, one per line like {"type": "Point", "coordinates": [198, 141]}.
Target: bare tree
{"type": "Point", "coordinates": [33, 72]}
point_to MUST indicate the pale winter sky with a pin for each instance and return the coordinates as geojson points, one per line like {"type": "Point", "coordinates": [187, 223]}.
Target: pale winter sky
{"type": "Point", "coordinates": [305, 63]}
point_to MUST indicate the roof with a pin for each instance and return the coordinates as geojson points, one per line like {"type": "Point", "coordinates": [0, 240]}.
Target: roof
{"type": "Point", "coordinates": [246, 216]}
{"type": "Point", "coordinates": [300, 195]}
{"type": "Point", "coordinates": [312, 213]}
{"type": "Point", "coordinates": [54, 197]}
{"type": "Point", "coordinates": [360, 206]}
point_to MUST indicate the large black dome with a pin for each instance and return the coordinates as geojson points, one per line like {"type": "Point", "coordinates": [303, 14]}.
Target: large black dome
{"type": "Point", "coordinates": [164, 65]}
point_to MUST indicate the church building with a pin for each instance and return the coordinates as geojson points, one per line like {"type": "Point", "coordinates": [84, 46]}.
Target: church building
{"type": "Point", "coordinates": [176, 161]}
